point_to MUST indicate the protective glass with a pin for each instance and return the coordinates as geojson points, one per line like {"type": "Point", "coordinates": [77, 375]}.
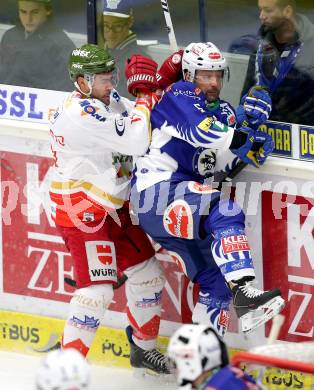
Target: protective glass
{"type": "Point", "coordinates": [267, 58]}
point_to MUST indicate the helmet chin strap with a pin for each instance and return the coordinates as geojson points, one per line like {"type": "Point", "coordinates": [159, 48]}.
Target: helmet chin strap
{"type": "Point", "coordinates": [90, 82]}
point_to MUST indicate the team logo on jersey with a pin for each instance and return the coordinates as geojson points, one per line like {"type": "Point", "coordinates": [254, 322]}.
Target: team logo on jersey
{"type": "Point", "coordinates": [120, 126]}
{"type": "Point", "coordinates": [231, 120]}
{"type": "Point", "coordinates": [205, 124]}
{"type": "Point", "coordinates": [116, 97]}
{"type": "Point", "coordinates": [178, 219]}
{"type": "Point", "coordinates": [88, 109]}
{"type": "Point", "coordinates": [199, 188]}
{"type": "Point", "coordinates": [204, 162]}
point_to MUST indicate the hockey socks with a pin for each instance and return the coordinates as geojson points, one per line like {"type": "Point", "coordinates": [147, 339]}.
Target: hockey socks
{"type": "Point", "coordinates": [87, 308]}
{"type": "Point", "coordinates": [232, 254]}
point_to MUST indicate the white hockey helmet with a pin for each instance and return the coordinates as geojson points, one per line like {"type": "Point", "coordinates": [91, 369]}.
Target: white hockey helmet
{"type": "Point", "coordinates": [203, 56]}
{"type": "Point", "coordinates": [63, 370]}
{"type": "Point", "coordinates": [194, 349]}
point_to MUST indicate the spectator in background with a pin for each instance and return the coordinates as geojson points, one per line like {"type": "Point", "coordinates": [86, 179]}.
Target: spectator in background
{"type": "Point", "coordinates": [283, 61]}
{"type": "Point", "coordinates": [119, 38]}
{"type": "Point", "coordinates": [34, 53]}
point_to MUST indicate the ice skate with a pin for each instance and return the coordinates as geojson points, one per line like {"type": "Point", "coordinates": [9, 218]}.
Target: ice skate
{"type": "Point", "coordinates": [254, 307]}
{"type": "Point", "coordinates": [151, 362]}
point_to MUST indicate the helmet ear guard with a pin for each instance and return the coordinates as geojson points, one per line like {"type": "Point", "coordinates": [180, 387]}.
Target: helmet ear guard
{"type": "Point", "coordinates": [223, 347]}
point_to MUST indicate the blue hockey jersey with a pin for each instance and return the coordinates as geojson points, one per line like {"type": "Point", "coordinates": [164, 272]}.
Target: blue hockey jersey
{"type": "Point", "coordinates": [190, 138]}
{"type": "Point", "coordinates": [230, 378]}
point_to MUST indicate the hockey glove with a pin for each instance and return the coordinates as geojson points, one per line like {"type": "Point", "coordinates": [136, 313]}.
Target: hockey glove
{"type": "Point", "coordinates": [252, 146]}
{"type": "Point", "coordinates": [170, 70]}
{"type": "Point", "coordinates": [140, 73]}
{"type": "Point", "coordinates": [255, 107]}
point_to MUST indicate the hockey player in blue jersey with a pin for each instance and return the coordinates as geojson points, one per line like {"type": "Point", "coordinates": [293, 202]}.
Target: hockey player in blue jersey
{"type": "Point", "coordinates": [200, 361]}
{"type": "Point", "coordinates": [196, 134]}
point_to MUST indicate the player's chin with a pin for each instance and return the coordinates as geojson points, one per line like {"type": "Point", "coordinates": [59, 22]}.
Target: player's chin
{"type": "Point", "coordinates": [212, 96]}
{"type": "Point", "coordinates": [106, 99]}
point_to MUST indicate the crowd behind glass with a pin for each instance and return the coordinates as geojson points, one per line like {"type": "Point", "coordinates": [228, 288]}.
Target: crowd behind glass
{"type": "Point", "coordinates": [273, 40]}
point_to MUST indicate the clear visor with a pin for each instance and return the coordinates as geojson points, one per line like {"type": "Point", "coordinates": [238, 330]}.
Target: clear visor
{"type": "Point", "coordinates": [104, 79]}
{"type": "Point", "coordinates": [217, 76]}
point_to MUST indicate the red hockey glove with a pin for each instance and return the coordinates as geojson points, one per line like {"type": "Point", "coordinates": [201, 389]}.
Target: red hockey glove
{"type": "Point", "coordinates": [170, 71]}
{"type": "Point", "coordinates": [140, 73]}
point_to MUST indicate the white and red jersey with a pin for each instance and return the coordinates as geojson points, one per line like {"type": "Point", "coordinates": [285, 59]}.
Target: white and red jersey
{"type": "Point", "coordinates": [93, 146]}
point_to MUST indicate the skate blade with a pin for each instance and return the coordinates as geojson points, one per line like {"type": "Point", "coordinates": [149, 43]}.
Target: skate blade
{"type": "Point", "coordinates": [152, 376]}
{"type": "Point", "coordinates": [251, 321]}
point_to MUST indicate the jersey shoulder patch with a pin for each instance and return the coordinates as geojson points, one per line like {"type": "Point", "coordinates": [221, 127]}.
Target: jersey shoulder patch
{"type": "Point", "coordinates": [206, 124]}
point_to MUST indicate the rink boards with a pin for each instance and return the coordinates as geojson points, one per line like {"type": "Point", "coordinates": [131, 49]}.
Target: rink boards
{"type": "Point", "coordinates": [32, 334]}
{"type": "Point", "coordinates": [278, 200]}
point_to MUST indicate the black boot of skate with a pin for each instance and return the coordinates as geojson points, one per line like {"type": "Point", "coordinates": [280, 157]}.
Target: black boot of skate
{"type": "Point", "coordinates": [151, 360]}
{"type": "Point", "coordinates": [253, 306]}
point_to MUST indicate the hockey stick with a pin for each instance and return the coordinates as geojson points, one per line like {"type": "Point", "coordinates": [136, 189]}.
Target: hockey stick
{"type": "Point", "coordinates": [236, 170]}
{"type": "Point", "coordinates": [278, 321]}
{"type": "Point", "coordinates": [232, 174]}
{"type": "Point", "coordinates": [170, 30]}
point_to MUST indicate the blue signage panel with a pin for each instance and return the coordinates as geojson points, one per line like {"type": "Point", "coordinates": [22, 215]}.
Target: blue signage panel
{"type": "Point", "coordinates": [306, 135]}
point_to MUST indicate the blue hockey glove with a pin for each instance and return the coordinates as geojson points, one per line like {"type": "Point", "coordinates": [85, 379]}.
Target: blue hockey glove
{"type": "Point", "coordinates": [255, 146]}
{"type": "Point", "coordinates": [255, 107]}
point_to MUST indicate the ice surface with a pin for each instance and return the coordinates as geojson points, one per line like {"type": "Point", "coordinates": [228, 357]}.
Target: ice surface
{"type": "Point", "coordinates": [17, 372]}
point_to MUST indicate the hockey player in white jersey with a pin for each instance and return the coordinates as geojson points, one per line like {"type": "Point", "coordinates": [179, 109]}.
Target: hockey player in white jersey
{"type": "Point", "coordinates": [94, 136]}
{"type": "Point", "coordinates": [196, 134]}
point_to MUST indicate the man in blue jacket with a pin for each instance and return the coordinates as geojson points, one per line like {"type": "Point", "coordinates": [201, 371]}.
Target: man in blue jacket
{"type": "Point", "coordinates": [283, 61]}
